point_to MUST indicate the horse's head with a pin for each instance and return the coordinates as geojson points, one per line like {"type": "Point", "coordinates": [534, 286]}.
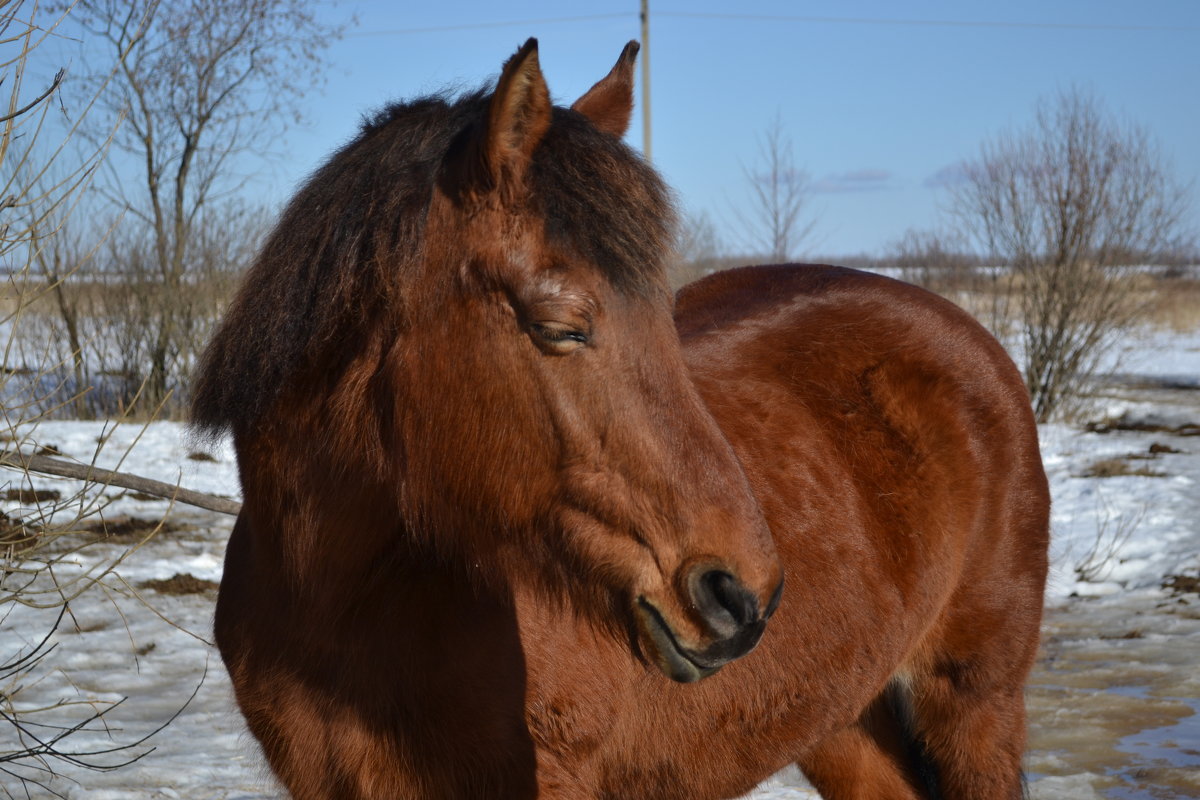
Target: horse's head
{"type": "Point", "coordinates": [548, 426]}
{"type": "Point", "coordinates": [462, 321]}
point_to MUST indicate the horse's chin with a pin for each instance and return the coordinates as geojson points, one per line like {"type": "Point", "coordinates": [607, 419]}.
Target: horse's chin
{"type": "Point", "coordinates": [664, 650]}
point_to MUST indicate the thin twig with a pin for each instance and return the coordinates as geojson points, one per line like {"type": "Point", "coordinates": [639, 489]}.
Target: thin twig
{"type": "Point", "coordinates": [53, 85]}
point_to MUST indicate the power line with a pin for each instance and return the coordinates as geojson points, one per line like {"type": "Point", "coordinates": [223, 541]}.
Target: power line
{"type": "Point", "coordinates": [934, 23]}
{"type": "Point", "coordinates": [944, 23]}
{"type": "Point", "coordinates": [481, 25]}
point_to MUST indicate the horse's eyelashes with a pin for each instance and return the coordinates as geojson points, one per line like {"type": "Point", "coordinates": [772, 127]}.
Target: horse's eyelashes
{"type": "Point", "coordinates": [562, 336]}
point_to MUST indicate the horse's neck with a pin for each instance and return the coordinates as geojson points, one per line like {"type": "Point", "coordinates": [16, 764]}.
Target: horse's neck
{"type": "Point", "coordinates": [333, 539]}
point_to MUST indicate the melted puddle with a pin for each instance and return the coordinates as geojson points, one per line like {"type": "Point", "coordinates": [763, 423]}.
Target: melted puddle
{"type": "Point", "coordinates": [1176, 745]}
{"type": "Point", "coordinates": [1114, 702]}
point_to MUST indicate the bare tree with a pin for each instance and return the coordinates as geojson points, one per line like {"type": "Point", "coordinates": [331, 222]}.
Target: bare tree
{"type": "Point", "coordinates": [944, 261]}
{"type": "Point", "coordinates": [699, 251]}
{"type": "Point", "coordinates": [937, 260]}
{"type": "Point", "coordinates": [1071, 205]}
{"type": "Point", "coordinates": [201, 83]}
{"type": "Point", "coordinates": [134, 307]}
{"type": "Point", "coordinates": [773, 219]}
{"type": "Point", "coordinates": [40, 545]}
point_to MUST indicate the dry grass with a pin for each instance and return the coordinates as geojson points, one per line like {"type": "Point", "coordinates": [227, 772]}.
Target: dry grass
{"type": "Point", "coordinates": [1164, 299]}
{"type": "Point", "coordinates": [105, 295]}
{"type": "Point", "coordinates": [1174, 304]}
{"type": "Point", "coordinates": [1165, 303]}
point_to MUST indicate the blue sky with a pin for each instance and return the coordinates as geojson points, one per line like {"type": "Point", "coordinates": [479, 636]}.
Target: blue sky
{"type": "Point", "coordinates": [874, 111]}
{"type": "Point", "coordinates": [877, 100]}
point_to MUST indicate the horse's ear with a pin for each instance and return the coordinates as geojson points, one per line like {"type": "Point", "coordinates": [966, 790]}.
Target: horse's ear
{"type": "Point", "coordinates": [609, 103]}
{"type": "Point", "coordinates": [517, 118]}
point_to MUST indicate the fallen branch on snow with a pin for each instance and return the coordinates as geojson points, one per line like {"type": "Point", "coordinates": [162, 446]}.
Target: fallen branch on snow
{"type": "Point", "coordinates": [48, 465]}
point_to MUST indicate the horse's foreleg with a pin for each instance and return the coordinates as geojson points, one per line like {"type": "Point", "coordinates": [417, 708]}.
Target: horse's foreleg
{"type": "Point", "coordinates": [975, 739]}
{"type": "Point", "coordinates": [967, 691]}
{"type": "Point", "coordinates": [868, 760]}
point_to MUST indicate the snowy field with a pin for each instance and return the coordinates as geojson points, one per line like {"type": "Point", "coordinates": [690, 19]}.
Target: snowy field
{"type": "Point", "coordinates": [1126, 518]}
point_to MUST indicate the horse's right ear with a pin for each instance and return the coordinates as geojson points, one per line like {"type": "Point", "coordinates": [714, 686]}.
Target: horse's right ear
{"type": "Point", "coordinates": [517, 119]}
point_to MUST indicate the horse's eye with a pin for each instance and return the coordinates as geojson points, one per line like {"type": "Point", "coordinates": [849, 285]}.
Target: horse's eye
{"type": "Point", "coordinates": [557, 338]}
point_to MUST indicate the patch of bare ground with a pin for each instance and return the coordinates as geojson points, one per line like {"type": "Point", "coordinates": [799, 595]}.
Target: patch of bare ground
{"type": "Point", "coordinates": [142, 496]}
{"type": "Point", "coordinates": [13, 531]}
{"type": "Point", "coordinates": [129, 530]}
{"type": "Point", "coordinates": [1122, 465]}
{"type": "Point", "coordinates": [1130, 463]}
{"type": "Point", "coordinates": [182, 583]}
{"type": "Point", "coordinates": [1127, 423]}
{"type": "Point", "coordinates": [32, 496]}
{"type": "Point", "coordinates": [1182, 585]}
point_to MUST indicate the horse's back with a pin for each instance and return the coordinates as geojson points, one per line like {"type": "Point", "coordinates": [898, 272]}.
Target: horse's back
{"type": "Point", "coordinates": [835, 319]}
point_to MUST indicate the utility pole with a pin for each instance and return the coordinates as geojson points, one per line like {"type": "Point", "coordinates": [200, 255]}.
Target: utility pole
{"type": "Point", "coordinates": [646, 78]}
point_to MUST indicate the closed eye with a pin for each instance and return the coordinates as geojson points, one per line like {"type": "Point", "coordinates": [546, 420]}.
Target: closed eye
{"type": "Point", "coordinates": [560, 334]}
{"type": "Point", "coordinates": [558, 338]}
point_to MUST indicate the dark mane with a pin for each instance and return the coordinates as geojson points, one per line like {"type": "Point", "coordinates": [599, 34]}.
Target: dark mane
{"type": "Point", "coordinates": [600, 197]}
{"type": "Point", "coordinates": [355, 231]}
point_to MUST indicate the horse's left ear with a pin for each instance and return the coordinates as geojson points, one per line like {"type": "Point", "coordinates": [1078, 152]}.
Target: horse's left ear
{"type": "Point", "coordinates": [609, 104]}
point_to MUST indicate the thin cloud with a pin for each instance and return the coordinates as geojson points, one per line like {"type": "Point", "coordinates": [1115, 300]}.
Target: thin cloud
{"type": "Point", "coordinates": [948, 176]}
{"type": "Point", "coordinates": [858, 180]}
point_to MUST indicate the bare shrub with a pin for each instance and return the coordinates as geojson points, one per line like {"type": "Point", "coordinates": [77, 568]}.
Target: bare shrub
{"type": "Point", "coordinates": [938, 260]}
{"type": "Point", "coordinates": [136, 320]}
{"type": "Point", "coordinates": [1072, 205]}
{"type": "Point", "coordinates": [1118, 467]}
{"type": "Point", "coordinates": [1113, 530]}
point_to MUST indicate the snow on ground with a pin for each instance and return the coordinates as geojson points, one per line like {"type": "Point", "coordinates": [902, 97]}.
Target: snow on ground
{"type": "Point", "coordinates": [128, 639]}
{"type": "Point", "coordinates": [1138, 527]}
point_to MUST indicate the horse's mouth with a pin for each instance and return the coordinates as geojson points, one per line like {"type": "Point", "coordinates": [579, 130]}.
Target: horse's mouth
{"type": "Point", "coordinates": [675, 661]}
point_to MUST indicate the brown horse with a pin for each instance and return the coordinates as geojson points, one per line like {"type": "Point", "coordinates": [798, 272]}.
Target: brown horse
{"type": "Point", "coordinates": [497, 497]}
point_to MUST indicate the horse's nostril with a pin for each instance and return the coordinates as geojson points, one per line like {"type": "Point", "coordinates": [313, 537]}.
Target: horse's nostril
{"type": "Point", "coordinates": [726, 604]}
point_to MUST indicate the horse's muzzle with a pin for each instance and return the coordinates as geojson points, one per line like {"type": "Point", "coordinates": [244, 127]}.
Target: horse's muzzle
{"type": "Point", "coordinates": [731, 614]}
